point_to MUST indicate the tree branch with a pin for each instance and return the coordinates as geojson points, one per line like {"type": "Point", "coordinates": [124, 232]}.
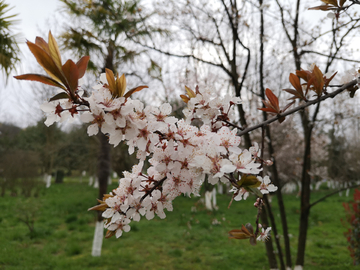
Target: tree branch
{"type": "Point", "coordinates": [332, 193]}
{"type": "Point", "coordinates": [323, 54]}
{"type": "Point", "coordinates": [301, 107]}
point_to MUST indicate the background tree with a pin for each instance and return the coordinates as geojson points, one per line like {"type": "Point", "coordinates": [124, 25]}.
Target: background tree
{"type": "Point", "coordinates": [220, 36]}
{"type": "Point", "coordinates": [9, 50]}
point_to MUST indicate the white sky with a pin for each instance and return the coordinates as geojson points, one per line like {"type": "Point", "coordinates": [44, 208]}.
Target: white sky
{"type": "Point", "coordinates": [36, 18]}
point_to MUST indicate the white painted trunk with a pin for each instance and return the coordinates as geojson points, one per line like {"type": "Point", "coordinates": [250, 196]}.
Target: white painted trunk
{"type": "Point", "coordinates": [91, 181]}
{"type": "Point", "coordinates": [220, 188]}
{"type": "Point", "coordinates": [98, 239]}
{"type": "Point", "coordinates": [214, 199]}
{"type": "Point", "coordinates": [109, 180]}
{"type": "Point", "coordinates": [208, 195]}
{"type": "Point", "coordinates": [96, 184]}
{"type": "Point", "coordinates": [48, 181]}
{"type": "Point", "coordinates": [298, 267]}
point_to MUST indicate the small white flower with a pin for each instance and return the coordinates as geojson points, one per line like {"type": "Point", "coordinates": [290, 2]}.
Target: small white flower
{"type": "Point", "coordinates": [264, 235]}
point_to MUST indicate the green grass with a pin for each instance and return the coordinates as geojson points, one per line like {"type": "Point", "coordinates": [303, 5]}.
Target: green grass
{"type": "Point", "coordinates": [63, 234]}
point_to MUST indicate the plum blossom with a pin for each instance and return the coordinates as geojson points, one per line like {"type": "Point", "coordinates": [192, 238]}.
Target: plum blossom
{"type": "Point", "coordinates": [264, 235]}
{"type": "Point", "coordinates": [119, 226]}
{"type": "Point", "coordinates": [266, 186]}
{"type": "Point", "coordinates": [181, 155]}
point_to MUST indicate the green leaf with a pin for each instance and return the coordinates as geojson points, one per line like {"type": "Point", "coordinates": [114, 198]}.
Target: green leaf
{"type": "Point", "coordinates": [61, 95]}
{"type": "Point", "coordinates": [256, 191]}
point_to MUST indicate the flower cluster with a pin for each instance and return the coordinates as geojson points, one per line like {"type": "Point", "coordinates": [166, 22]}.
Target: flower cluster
{"type": "Point", "coordinates": [181, 154]}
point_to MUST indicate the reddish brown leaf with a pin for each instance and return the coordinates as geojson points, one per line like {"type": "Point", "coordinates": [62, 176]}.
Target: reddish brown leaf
{"type": "Point", "coordinates": [71, 74]}
{"type": "Point", "coordinates": [287, 106]}
{"type": "Point", "coordinates": [295, 81]}
{"type": "Point", "coordinates": [319, 81]}
{"type": "Point", "coordinates": [270, 110]}
{"type": "Point", "coordinates": [40, 78]}
{"type": "Point", "coordinates": [323, 8]}
{"type": "Point", "coordinates": [281, 119]}
{"type": "Point", "coordinates": [111, 80]}
{"type": "Point", "coordinates": [43, 44]}
{"type": "Point", "coordinates": [120, 85]}
{"type": "Point", "coordinates": [303, 74]}
{"type": "Point", "coordinates": [134, 90]}
{"type": "Point", "coordinates": [185, 98]}
{"type": "Point", "coordinates": [46, 62]}
{"type": "Point", "coordinates": [327, 81]}
{"type": "Point", "coordinates": [82, 65]}
{"type": "Point", "coordinates": [330, 2]}
{"type": "Point", "coordinates": [61, 95]}
{"type": "Point", "coordinates": [109, 234]}
{"type": "Point", "coordinates": [274, 101]}
{"type": "Point", "coordinates": [293, 92]}
{"type": "Point", "coordinates": [54, 51]}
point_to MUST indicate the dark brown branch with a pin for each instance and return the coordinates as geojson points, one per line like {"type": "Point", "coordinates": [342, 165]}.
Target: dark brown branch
{"type": "Point", "coordinates": [186, 56]}
{"type": "Point", "coordinates": [153, 188]}
{"type": "Point", "coordinates": [301, 107]}
{"type": "Point", "coordinates": [323, 54]}
{"type": "Point", "coordinates": [331, 194]}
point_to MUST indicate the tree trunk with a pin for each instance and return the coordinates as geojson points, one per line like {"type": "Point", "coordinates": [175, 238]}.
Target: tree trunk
{"type": "Point", "coordinates": [103, 167]}
{"type": "Point", "coordinates": [305, 185]}
{"type": "Point", "coordinates": [269, 244]}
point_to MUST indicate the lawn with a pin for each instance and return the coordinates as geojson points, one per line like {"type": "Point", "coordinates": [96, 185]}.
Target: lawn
{"type": "Point", "coordinates": [63, 232]}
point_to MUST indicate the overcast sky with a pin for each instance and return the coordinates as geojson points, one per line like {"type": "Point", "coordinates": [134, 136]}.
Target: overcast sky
{"type": "Point", "coordinates": [36, 18]}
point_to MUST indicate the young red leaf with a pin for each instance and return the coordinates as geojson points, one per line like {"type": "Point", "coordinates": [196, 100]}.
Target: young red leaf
{"type": "Point", "coordinates": [43, 44]}
{"type": "Point", "coordinates": [111, 81]}
{"type": "Point", "coordinates": [40, 78]}
{"type": "Point", "coordinates": [295, 81]}
{"type": "Point", "coordinates": [274, 101]}
{"type": "Point", "coordinates": [71, 74]}
{"type": "Point", "coordinates": [319, 81]}
{"type": "Point", "coordinates": [134, 90]}
{"type": "Point", "coordinates": [46, 62]}
{"type": "Point", "coordinates": [272, 104]}
{"type": "Point", "coordinates": [292, 92]}
{"type": "Point", "coordinates": [120, 85]}
{"type": "Point", "coordinates": [330, 2]}
{"type": "Point", "coordinates": [327, 81]}
{"type": "Point", "coordinates": [54, 51]}
{"type": "Point", "coordinates": [303, 74]}
{"type": "Point", "coordinates": [82, 65]}
{"type": "Point", "coordinates": [323, 8]}
{"type": "Point", "coordinates": [185, 98]}
{"type": "Point", "coordinates": [61, 95]}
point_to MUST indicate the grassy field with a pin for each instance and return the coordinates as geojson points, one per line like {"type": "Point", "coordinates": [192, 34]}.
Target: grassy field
{"type": "Point", "coordinates": [63, 232]}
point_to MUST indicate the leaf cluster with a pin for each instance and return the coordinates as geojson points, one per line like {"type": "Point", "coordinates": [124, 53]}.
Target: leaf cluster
{"type": "Point", "coordinates": [65, 76]}
{"type": "Point", "coordinates": [315, 81]}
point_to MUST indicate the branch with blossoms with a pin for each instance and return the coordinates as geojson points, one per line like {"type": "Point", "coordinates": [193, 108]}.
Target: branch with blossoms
{"type": "Point", "coordinates": [181, 155]}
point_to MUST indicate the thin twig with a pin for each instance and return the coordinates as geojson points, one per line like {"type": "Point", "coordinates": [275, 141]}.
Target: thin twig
{"type": "Point", "coordinates": [332, 193]}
